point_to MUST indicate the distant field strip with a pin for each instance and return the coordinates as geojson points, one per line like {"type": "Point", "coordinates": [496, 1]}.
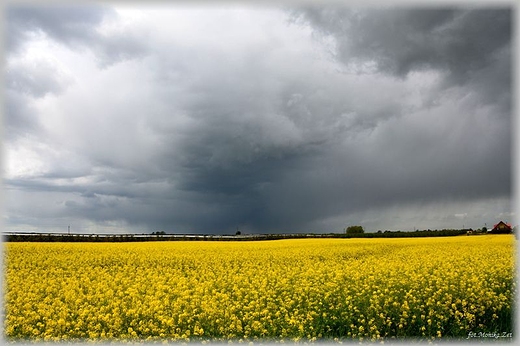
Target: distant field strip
{"type": "Point", "coordinates": [306, 289]}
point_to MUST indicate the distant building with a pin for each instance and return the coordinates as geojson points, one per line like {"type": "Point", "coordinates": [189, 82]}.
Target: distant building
{"type": "Point", "coordinates": [502, 228]}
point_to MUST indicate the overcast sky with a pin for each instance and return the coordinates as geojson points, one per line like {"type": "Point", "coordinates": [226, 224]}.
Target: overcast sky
{"type": "Point", "coordinates": [205, 119]}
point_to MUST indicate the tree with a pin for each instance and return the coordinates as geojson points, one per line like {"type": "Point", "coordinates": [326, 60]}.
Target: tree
{"type": "Point", "coordinates": [355, 230]}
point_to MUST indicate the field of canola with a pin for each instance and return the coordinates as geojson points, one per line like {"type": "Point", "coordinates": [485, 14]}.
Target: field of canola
{"type": "Point", "coordinates": [309, 289]}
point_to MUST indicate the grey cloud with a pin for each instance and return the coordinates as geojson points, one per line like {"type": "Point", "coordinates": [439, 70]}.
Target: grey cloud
{"type": "Point", "coordinates": [25, 81]}
{"type": "Point", "coordinates": [120, 47]}
{"type": "Point", "coordinates": [274, 140]}
{"type": "Point", "coordinates": [463, 45]}
{"type": "Point", "coordinates": [20, 117]}
{"type": "Point", "coordinates": [36, 78]}
{"type": "Point", "coordinates": [75, 26]}
{"type": "Point", "coordinates": [403, 40]}
{"type": "Point", "coordinates": [275, 176]}
{"type": "Point", "coordinates": [70, 24]}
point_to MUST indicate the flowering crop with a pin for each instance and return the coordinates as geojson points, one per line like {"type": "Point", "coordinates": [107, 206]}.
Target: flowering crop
{"type": "Point", "coordinates": [309, 289]}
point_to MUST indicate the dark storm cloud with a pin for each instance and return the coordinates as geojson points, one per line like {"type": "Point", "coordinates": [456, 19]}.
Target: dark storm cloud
{"type": "Point", "coordinates": [340, 165]}
{"type": "Point", "coordinates": [249, 129]}
{"type": "Point", "coordinates": [471, 49]}
{"type": "Point", "coordinates": [213, 131]}
{"type": "Point", "coordinates": [401, 40]}
{"type": "Point", "coordinates": [465, 45]}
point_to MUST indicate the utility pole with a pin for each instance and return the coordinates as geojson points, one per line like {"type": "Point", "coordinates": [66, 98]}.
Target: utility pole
{"type": "Point", "coordinates": [68, 229]}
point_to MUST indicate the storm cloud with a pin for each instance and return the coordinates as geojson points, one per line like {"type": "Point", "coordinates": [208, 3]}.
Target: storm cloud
{"type": "Point", "coordinates": [208, 118]}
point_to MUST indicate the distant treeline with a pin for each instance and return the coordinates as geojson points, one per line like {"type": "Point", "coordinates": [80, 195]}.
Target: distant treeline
{"type": "Point", "coordinates": [401, 234]}
{"type": "Point", "coordinates": [34, 237]}
{"type": "Point", "coordinates": [142, 238]}
{"type": "Point", "coordinates": [49, 237]}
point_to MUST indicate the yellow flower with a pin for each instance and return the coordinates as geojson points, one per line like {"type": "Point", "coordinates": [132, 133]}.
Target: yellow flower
{"type": "Point", "coordinates": [292, 289]}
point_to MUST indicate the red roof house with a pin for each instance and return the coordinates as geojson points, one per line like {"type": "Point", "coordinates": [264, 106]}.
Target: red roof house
{"type": "Point", "coordinates": [501, 228]}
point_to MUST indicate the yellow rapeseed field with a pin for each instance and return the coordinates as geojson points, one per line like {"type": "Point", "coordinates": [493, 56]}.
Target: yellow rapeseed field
{"type": "Point", "coordinates": [308, 289]}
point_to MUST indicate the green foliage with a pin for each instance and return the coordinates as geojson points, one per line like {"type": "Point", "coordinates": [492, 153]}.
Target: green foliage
{"type": "Point", "coordinates": [355, 230]}
{"type": "Point", "coordinates": [159, 233]}
{"type": "Point", "coordinates": [401, 234]}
